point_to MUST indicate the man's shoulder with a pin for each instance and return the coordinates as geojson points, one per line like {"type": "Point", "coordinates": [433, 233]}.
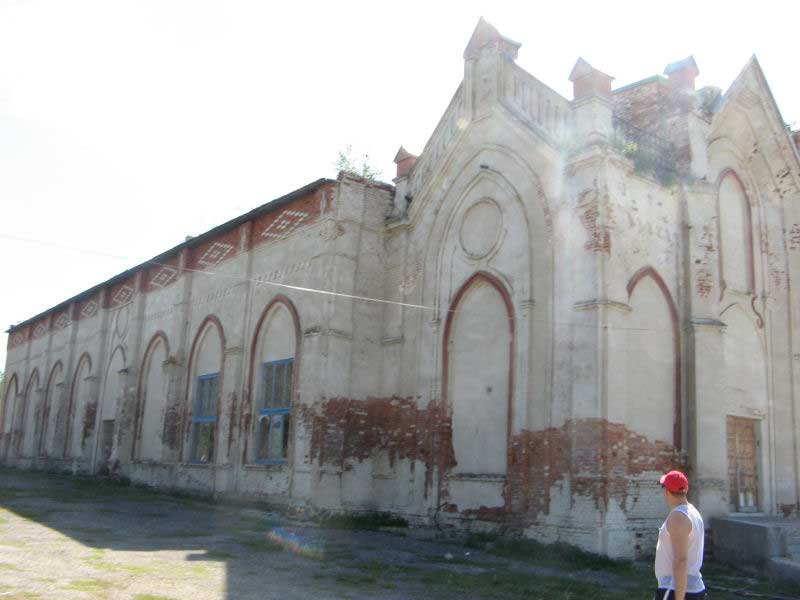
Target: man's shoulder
{"type": "Point", "coordinates": [679, 519]}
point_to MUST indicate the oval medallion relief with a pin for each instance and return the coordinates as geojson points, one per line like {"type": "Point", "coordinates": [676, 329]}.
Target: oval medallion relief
{"type": "Point", "coordinates": [122, 320]}
{"type": "Point", "coordinates": [481, 228]}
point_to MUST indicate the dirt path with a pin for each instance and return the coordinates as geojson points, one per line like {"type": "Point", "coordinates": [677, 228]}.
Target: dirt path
{"type": "Point", "coordinates": [73, 538]}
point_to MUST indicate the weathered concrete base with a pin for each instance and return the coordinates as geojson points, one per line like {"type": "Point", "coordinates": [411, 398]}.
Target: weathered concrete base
{"type": "Point", "coordinates": [767, 543]}
{"type": "Point", "coordinates": [784, 570]}
{"type": "Point", "coordinates": [745, 541]}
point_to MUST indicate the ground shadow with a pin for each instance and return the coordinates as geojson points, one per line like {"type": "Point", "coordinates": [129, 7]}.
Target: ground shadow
{"type": "Point", "coordinates": [67, 537]}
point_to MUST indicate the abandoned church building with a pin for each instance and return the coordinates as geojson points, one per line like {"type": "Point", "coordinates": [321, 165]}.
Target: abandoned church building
{"type": "Point", "coordinates": [554, 303]}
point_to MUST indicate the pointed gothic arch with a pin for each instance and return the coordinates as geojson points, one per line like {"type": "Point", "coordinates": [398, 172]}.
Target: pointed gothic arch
{"type": "Point", "coordinates": [481, 415]}
{"type": "Point", "coordinates": [30, 416]}
{"type": "Point", "coordinates": [649, 272]}
{"type": "Point", "coordinates": [208, 422]}
{"type": "Point", "coordinates": [49, 416]}
{"type": "Point", "coordinates": [734, 219]}
{"type": "Point", "coordinates": [146, 425]}
{"type": "Point", "coordinates": [9, 405]}
{"type": "Point", "coordinates": [258, 354]}
{"type": "Point", "coordinates": [75, 405]}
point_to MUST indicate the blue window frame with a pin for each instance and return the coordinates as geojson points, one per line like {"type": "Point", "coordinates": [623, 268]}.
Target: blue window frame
{"type": "Point", "coordinates": [204, 418]}
{"type": "Point", "coordinates": [274, 407]}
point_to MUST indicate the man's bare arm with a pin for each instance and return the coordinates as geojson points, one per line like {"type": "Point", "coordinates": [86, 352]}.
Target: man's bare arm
{"type": "Point", "coordinates": [679, 527]}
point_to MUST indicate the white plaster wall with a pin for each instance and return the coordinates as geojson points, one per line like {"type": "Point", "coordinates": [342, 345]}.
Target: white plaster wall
{"type": "Point", "coordinates": [154, 394]}
{"type": "Point", "coordinates": [55, 389]}
{"type": "Point", "coordinates": [650, 364]}
{"type": "Point", "coordinates": [276, 340]}
{"type": "Point", "coordinates": [80, 398]}
{"type": "Point", "coordinates": [208, 353]}
{"type": "Point", "coordinates": [112, 386]}
{"type": "Point", "coordinates": [32, 399]}
{"type": "Point", "coordinates": [734, 225]}
{"type": "Point", "coordinates": [9, 404]}
{"type": "Point", "coordinates": [743, 378]}
{"type": "Point", "coordinates": [478, 388]}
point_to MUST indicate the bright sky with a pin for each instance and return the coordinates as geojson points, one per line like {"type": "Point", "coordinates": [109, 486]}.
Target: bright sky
{"type": "Point", "coordinates": [127, 125]}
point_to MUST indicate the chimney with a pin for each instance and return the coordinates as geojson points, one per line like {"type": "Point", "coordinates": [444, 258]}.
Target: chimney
{"type": "Point", "coordinates": [404, 161]}
{"type": "Point", "coordinates": [486, 34]}
{"type": "Point", "coordinates": [588, 81]}
{"type": "Point", "coordinates": [591, 105]}
{"type": "Point", "coordinates": [681, 74]}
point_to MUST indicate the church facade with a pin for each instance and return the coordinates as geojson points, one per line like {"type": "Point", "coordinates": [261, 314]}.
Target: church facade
{"type": "Point", "coordinates": [554, 303]}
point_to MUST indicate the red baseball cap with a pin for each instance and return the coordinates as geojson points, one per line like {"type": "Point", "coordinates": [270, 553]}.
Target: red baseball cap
{"type": "Point", "coordinates": [675, 482]}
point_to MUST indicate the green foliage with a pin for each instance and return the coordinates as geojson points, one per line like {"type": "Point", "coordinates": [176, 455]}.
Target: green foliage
{"type": "Point", "coordinates": [554, 554]}
{"type": "Point", "coordinates": [364, 522]}
{"type": "Point", "coordinates": [90, 585]}
{"type": "Point", "coordinates": [360, 167]}
{"type": "Point", "coordinates": [645, 161]}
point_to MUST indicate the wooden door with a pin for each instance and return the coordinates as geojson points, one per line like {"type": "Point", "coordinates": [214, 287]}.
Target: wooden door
{"type": "Point", "coordinates": [742, 464]}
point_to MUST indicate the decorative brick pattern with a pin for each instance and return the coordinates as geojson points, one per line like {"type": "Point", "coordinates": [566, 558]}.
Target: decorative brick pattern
{"type": "Point", "coordinates": [161, 276]}
{"type": "Point", "coordinates": [17, 338]}
{"type": "Point", "coordinates": [88, 308]}
{"type": "Point", "coordinates": [62, 321]}
{"type": "Point", "coordinates": [212, 253]}
{"type": "Point", "coordinates": [121, 294]}
{"type": "Point", "coordinates": [282, 224]}
{"type": "Point", "coordinates": [39, 330]}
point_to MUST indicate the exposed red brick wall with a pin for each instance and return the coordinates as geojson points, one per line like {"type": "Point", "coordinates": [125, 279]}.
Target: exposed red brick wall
{"type": "Point", "coordinates": [345, 431]}
{"type": "Point", "coordinates": [705, 278]}
{"type": "Point", "coordinates": [794, 238]}
{"type": "Point", "coordinates": [599, 236]}
{"type": "Point", "coordinates": [595, 83]}
{"type": "Point", "coordinates": [598, 459]}
{"type": "Point", "coordinates": [645, 105]}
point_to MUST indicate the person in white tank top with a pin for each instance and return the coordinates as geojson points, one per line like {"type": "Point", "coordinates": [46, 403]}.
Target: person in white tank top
{"type": "Point", "coordinates": [679, 552]}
